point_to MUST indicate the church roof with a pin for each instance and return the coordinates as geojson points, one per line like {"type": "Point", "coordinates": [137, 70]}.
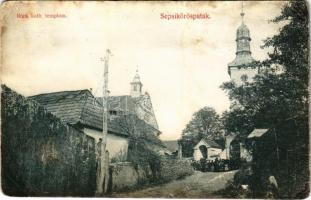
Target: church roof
{"type": "Point", "coordinates": [136, 78]}
{"type": "Point", "coordinates": [242, 31]}
{"type": "Point", "coordinates": [243, 53]}
{"type": "Point", "coordinates": [120, 103]}
{"type": "Point", "coordinates": [127, 104]}
{"type": "Point", "coordinates": [241, 60]}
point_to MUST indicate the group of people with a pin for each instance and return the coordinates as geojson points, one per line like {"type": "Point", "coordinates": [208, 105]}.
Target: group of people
{"type": "Point", "coordinates": [217, 165]}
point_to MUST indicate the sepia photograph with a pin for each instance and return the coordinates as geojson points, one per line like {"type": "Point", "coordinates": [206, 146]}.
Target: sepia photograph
{"type": "Point", "coordinates": [155, 99]}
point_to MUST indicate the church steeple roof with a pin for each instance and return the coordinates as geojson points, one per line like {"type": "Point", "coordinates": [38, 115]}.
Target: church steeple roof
{"type": "Point", "coordinates": [136, 78]}
{"type": "Point", "coordinates": [243, 52]}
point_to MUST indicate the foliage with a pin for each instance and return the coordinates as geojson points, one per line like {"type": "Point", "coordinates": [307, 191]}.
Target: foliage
{"type": "Point", "coordinates": [278, 97]}
{"type": "Point", "coordinates": [140, 155]}
{"type": "Point", "coordinates": [205, 123]}
{"type": "Point", "coordinates": [40, 155]}
{"type": "Point", "coordinates": [141, 136]}
{"type": "Point", "coordinates": [174, 169]}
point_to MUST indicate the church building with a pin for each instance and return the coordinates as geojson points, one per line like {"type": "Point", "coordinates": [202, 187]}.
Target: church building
{"type": "Point", "coordinates": [240, 69]}
{"type": "Point", "coordinates": [137, 103]}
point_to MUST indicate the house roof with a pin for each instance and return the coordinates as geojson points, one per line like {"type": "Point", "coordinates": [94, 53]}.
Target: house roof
{"type": "Point", "coordinates": [257, 133]}
{"type": "Point", "coordinates": [75, 107]}
{"type": "Point", "coordinates": [81, 107]}
{"type": "Point", "coordinates": [210, 143]}
{"type": "Point", "coordinates": [171, 145]}
{"type": "Point", "coordinates": [69, 105]}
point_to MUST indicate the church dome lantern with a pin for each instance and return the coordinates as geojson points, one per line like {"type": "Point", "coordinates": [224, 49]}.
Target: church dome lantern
{"type": "Point", "coordinates": [136, 86]}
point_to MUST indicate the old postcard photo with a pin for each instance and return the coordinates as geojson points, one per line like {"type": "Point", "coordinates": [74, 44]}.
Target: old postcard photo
{"type": "Point", "coordinates": [155, 99]}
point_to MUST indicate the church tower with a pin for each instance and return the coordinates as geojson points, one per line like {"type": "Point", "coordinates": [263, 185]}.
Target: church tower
{"type": "Point", "coordinates": [136, 86]}
{"type": "Point", "coordinates": [239, 69]}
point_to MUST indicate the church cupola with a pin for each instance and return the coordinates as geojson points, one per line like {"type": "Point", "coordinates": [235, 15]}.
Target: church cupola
{"type": "Point", "coordinates": [243, 51]}
{"type": "Point", "coordinates": [136, 86]}
{"type": "Point", "coordinates": [239, 69]}
{"type": "Point", "coordinates": [243, 40]}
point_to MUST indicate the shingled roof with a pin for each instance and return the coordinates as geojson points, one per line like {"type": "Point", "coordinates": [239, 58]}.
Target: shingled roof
{"type": "Point", "coordinates": [81, 107]}
{"type": "Point", "coordinates": [75, 107]}
{"type": "Point", "coordinates": [210, 143]}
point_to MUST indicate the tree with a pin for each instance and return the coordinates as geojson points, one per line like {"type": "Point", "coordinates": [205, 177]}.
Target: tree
{"type": "Point", "coordinates": [278, 97]}
{"type": "Point", "coordinates": [205, 123]}
{"type": "Point", "coordinates": [274, 96]}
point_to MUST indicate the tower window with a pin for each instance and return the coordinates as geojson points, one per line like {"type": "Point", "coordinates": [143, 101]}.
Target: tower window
{"type": "Point", "coordinates": [244, 77]}
{"type": "Point", "coordinates": [112, 112]}
{"type": "Point", "coordinates": [135, 87]}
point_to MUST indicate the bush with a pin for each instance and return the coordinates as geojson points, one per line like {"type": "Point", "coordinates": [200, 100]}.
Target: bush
{"type": "Point", "coordinates": [172, 169]}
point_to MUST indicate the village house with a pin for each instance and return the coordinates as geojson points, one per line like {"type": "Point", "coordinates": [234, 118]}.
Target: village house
{"type": "Point", "coordinates": [129, 114]}
{"type": "Point", "coordinates": [208, 149]}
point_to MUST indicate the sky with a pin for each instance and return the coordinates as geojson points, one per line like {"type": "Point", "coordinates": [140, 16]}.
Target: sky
{"type": "Point", "coordinates": [181, 62]}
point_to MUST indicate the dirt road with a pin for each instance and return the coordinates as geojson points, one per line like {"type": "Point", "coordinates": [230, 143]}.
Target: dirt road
{"type": "Point", "coordinates": [198, 185]}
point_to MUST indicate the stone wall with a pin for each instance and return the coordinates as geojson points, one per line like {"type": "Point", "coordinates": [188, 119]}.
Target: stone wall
{"type": "Point", "coordinates": [125, 176]}
{"type": "Point", "coordinates": [40, 155]}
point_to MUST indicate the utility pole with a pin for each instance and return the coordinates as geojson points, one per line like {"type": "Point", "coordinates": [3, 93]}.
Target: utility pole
{"type": "Point", "coordinates": [102, 177]}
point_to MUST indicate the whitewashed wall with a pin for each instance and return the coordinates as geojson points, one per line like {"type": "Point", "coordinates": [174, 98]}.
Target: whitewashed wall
{"type": "Point", "coordinates": [197, 155]}
{"type": "Point", "coordinates": [116, 145]}
{"type": "Point", "coordinates": [211, 152]}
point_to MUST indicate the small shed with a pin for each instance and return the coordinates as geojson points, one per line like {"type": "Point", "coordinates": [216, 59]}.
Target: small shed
{"type": "Point", "coordinates": [208, 149]}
